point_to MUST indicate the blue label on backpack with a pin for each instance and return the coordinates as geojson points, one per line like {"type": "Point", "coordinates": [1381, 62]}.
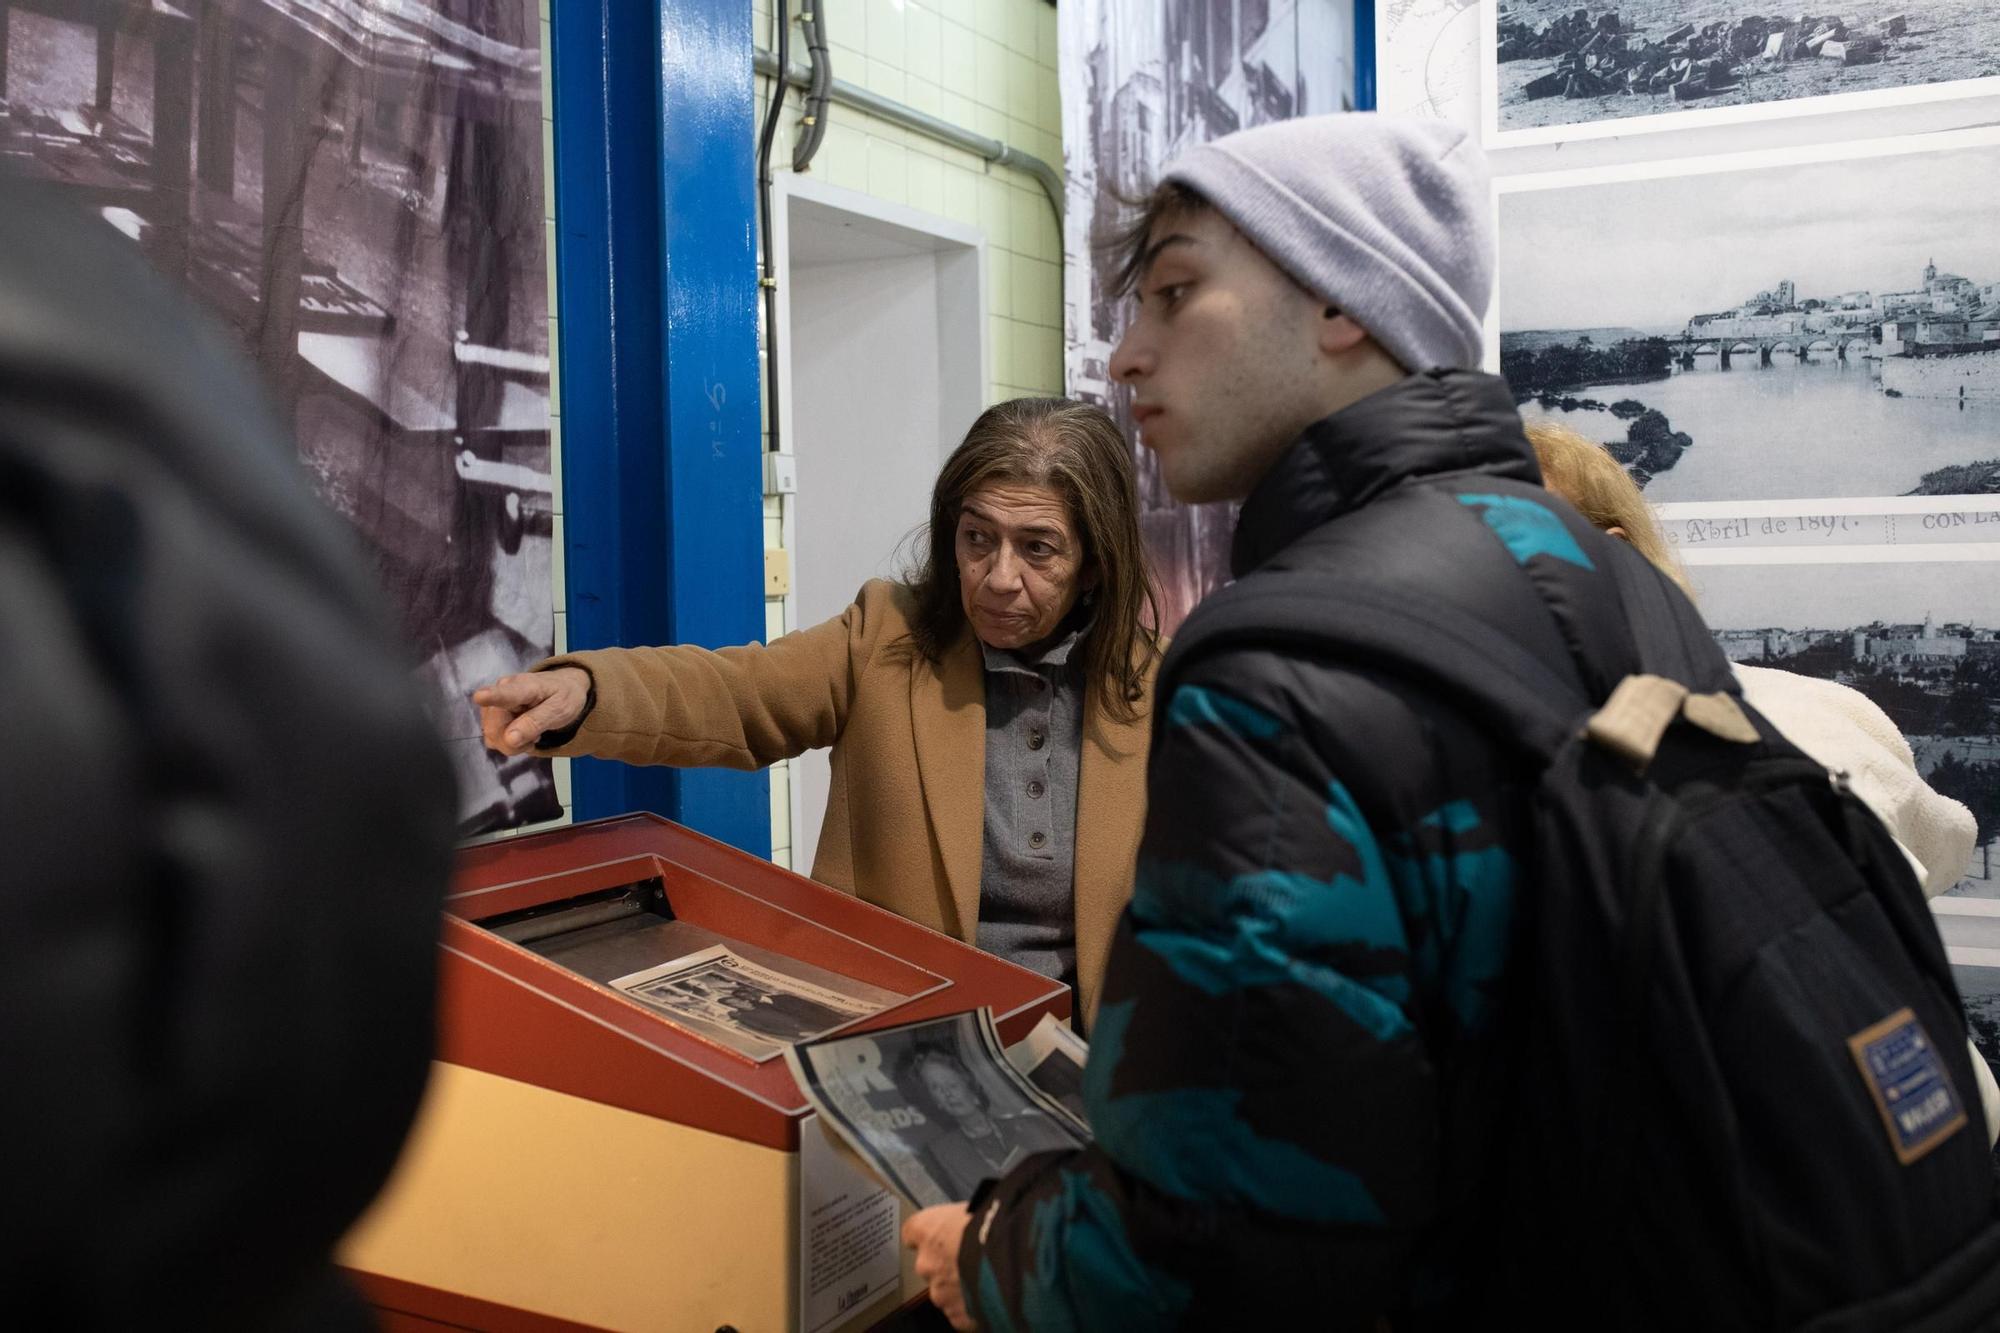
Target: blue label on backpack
{"type": "Point", "coordinates": [1910, 1084]}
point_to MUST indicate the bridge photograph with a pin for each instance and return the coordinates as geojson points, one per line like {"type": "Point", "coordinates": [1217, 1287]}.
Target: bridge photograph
{"type": "Point", "coordinates": [1727, 351]}
{"type": "Point", "coordinates": [1799, 328]}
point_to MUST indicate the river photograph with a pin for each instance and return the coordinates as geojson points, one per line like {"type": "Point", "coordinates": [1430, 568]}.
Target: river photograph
{"type": "Point", "coordinates": [1775, 432]}
{"type": "Point", "coordinates": [1795, 329]}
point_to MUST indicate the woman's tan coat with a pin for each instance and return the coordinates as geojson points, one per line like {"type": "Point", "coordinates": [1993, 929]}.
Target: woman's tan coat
{"type": "Point", "coordinates": [905, 819]}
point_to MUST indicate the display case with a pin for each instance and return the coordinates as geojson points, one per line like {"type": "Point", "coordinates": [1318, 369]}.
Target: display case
{"type": "Point", "coordinates": [632, 1155]}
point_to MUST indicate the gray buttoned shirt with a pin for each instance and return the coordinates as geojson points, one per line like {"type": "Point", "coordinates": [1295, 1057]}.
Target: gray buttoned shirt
{"type": "Point", "coordinates": [1034, 741]}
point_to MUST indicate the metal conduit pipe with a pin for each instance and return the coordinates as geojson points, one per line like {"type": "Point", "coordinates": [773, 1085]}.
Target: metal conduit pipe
{"type": "Point", "coordinates": [765, 280]}
{"type": "Point", "coordinates": [813, 127]}
{"type": "Point", "coordinates": [993, 150]}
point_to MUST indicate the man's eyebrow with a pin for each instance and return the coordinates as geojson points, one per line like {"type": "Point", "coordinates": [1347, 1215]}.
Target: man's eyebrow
{"type": "Point", "coordinates": [1151, 254]}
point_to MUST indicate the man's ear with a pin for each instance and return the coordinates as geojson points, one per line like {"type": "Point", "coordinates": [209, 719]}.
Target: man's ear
{"type": "Point", "coordinates": [1338, 333]}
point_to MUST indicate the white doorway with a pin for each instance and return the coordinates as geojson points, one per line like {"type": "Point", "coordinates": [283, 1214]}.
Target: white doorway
{"type": "Point", "coordinates": [882, 316]}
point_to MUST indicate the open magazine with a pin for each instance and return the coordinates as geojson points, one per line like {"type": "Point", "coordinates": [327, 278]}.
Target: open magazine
{"type": "Point", "coordinates": [935, 1107]}
{"type": "Point", "coordinates": [1051, 1057]}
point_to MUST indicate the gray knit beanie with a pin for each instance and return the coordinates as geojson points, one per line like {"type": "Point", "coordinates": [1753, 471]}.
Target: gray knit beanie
{"type": "Point", "coordinates": [1388, 217]}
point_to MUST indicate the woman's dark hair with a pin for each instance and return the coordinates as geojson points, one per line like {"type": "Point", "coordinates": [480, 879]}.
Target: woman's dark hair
{"type": "Point", "coordinates": [1076, 451]}
{"type": "Point", "coordinates": [913, 1072]}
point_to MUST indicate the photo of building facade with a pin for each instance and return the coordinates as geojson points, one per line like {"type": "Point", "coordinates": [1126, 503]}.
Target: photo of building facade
{"type": "Point", "coordinates": [357, 191]}
{"type": "Point", "coordinates": [1920, 640]}
{"type": "Point", "coordinates": [1142, 82]}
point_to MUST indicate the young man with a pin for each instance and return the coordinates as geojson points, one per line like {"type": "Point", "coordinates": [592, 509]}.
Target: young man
{"type": "Point", "coordinates": [1291, 1072]}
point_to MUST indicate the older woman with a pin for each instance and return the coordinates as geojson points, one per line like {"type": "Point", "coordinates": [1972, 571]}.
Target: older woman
{"type": "Point", "coordinates": [987, 717]}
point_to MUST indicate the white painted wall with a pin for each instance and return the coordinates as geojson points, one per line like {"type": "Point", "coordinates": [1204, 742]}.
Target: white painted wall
{"type": "Point", "coordinates": [866, 423]}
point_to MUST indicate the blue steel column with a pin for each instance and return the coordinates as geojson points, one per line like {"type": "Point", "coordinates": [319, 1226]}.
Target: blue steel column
{"type": "Point", "coordinates": [1364, 55]}
{"type": "Point", "coordinates": [714, 546]}
{"type": "Point", "coordinates": [656, 288]}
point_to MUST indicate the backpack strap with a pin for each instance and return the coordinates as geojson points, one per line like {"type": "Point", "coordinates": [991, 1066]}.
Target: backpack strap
{"type": "Point", "coordinates": [1565, 562]}
{"type": "Point", "coordinates": [1491, 592]}
{"type": "Point", "coordinates": [1533, 701]}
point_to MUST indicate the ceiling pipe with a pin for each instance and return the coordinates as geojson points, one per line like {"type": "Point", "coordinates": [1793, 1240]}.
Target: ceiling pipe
{"type": "Point", "coordinates": [993, 150]}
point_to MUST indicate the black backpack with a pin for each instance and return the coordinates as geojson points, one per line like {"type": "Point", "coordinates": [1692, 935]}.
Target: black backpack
{"type": "Point", "coordinates": [1740, 1093]}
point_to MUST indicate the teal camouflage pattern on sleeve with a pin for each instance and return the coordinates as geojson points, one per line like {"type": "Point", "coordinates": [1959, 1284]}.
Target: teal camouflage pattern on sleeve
{"type": "Point", "coordinates": [1262, 1079]}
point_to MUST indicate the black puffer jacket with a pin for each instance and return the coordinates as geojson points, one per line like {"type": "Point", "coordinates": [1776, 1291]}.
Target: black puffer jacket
{"type": "Point", "coordinates": [1294, 1076]}
{"type": "Point", "coordinates": [224, 827]}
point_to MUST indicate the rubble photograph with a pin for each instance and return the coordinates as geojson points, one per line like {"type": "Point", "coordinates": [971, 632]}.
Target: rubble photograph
{"type": "Point", "coordinates": [1785, 331]}
{"type": "Point", "coordinates": [1556, 64]}
{"type": "Point", "coordinates": [1921, 639]}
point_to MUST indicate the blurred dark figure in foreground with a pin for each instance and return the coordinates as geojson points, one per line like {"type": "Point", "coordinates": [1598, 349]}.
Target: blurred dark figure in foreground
{"type": "Point", "coordinates": [224, 823]}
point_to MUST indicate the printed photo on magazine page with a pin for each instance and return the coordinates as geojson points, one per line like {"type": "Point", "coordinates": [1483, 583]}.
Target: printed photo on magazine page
{"type": "Point", "coordinates": [933, 1107]}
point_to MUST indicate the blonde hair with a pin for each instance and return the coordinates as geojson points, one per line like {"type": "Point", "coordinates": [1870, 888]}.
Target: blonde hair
{"type": "Point", "coordinates": [1583, 472]}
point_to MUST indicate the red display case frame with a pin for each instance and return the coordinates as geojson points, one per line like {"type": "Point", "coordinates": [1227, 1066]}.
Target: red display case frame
{"type": "Point", "coordinates": [506, 1010]}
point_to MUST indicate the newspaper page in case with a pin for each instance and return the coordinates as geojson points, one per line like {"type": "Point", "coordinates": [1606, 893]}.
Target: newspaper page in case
{"type": "Point", "coordinates": [933, 1107]}
{"type": "Point", "coordinates": [748, 1007]}
{"type": "Point", "coordinates": [1052, 1057]}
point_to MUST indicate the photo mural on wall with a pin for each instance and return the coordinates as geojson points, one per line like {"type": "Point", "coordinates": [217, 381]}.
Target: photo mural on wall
{"type": "Point", "coordinates": [1814, 407]}
{"type": "Point", "coordinates": [1754, 255]}
{"type": "Point", "coordinates": [1554, 70]}
{"type": "Point", "coordinates": [1834, 342]}
{"type": "Point", "coordinates": [1979, 987]}
{"type": "Point", "coordinates": [1921, 639]}
{"type": "Point", "coordinates": [355, 188]}
{"type": "Point", "coordinates": [1141, 81]}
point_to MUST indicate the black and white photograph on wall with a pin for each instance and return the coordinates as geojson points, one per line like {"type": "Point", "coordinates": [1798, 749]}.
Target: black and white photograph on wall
{"type": "Point", "coordinates": [355, 188]}
{"type": "Point", "coordinates": [1141, 81]}
{"type": "Point", "coordinates": [1555, 70]}
{"type": "Point", "coordinates": [1769, 326]}
{"type": "Point", "coordinates": [1920, 639]}
{"type": "Point", "coordinates": [1979, 987]}
{"type": "Point", "coordinates": [747, 1007]}
{"type": "Point", "coordinates": [932, 1107]}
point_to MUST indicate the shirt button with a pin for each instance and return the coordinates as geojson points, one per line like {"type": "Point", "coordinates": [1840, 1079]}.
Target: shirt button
{"type": "Point", "coordinates": [1040, 684]}
{"type": "Point", "coordinates": [1035, 789]}
{"type": "Point", "coordinates": [1037, 838]}
{"type": "Point", "coordinates": [1035, 739]}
